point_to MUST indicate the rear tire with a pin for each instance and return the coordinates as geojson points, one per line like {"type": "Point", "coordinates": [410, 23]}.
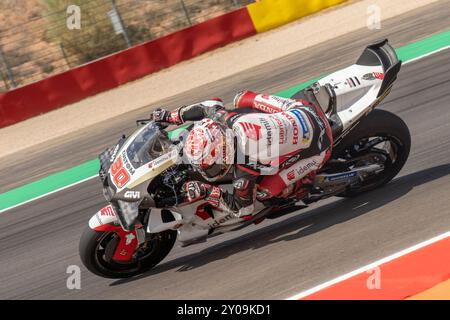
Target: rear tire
{"type": "Point", "coordinates": [379, 123]}
{"type": "Point", "coordinates": [94, 261]}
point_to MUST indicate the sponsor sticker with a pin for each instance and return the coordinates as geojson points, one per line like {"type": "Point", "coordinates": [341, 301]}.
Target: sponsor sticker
{"type": "Point", "coordinates": [341, 176]}
{"type": "Point", "coordinates": [368, 77]}
{"type": "Point", "coordinates": [379, 75]}
{"type": "Point", "coordinates": [291, 160]}
{"type": "Point", "coordinates": [132, 195]}
{"type": "Point", "coordinates": [308, 167]}
{"type": "Point", "coordinates": [291, 175]}
{"type": "Point", "coordinates": [129, 238]}
{"type": "Point", "coordinates": [373, 75]}
{"type": "Point", "coordinates": [262, 194]}
{"type": "Point", "coordinates": [157, 162]}
{"type": "Point", "coordinates": [253, 131]}
{"type": "Point", "coordinates": [268, 128]}
{"type": "Point", "coordinates": [294, 127]}
{"type": "Point", "coordinates": [214, 197]}
{"type": "Point", "coordinates": [301, 170]}
{"type": "Point", "coordinates": [281, 128]}
{"type": "Point", "coordinates": [127, 163]}
{"type": "Point", "coordinates": [240, 184]}
{"type": "Point", "coordinates": [107, 211]}
{"type": "Point", "coordinates": [114, 153]}
{"type": "Point", "coordinates": [301, 119]}
{"type": "Point", "coordinates": [218, 222]}
{"type": "Point", "coordinates": [266, 108]}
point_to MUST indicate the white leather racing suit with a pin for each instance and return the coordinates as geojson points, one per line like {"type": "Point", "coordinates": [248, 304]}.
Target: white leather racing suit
{"type": "Point", "coordinates": [293, 139]}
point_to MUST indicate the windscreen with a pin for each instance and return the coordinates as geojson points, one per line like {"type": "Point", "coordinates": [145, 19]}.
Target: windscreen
{"type": "Point", "coordinates": [149, 144]}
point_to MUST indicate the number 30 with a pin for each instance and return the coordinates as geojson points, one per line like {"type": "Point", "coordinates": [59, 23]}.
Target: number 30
{"type": "Point", "coordinates": [120, 175]}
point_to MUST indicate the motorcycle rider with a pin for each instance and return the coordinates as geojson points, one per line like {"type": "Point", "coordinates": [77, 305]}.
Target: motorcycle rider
{"type": "Point", "coordinates": [292, 137]}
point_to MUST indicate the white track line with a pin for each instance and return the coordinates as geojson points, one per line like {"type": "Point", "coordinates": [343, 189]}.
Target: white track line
{"type": "Point", "coordinates": [426, 55]}
{"type": "Point", "coordinates": [369, 266]}
{"type": "Point", "coordinates": [47, 194]}
{"type": "Point", "coordinates": [81, 181]}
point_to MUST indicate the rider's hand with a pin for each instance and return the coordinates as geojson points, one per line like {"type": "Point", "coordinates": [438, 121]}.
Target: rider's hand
{"type": "Point", "coordinates": [160, 115]}
{"type": "Point", "coordinates": [195, 190]}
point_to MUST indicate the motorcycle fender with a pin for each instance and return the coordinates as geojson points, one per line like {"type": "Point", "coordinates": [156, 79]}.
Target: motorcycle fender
{"type": "Point", "coordinates": [156, 222]}
{"type": "Point", "coordinates": [105, 220]}
{"type": "Point", "coordinates": [106, 216]}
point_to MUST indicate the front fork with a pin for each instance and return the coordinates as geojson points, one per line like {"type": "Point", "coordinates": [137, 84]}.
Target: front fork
{"type": "Point", "coordinates": [106, 220]}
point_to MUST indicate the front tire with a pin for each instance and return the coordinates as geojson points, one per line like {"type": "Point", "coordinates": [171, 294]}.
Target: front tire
{"type": "Point", "coordinates": [384, 124]}
{"type": "Point", "coordinates": [95, 250]}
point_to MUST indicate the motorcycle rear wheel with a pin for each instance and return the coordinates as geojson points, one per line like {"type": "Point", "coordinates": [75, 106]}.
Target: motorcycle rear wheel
{"type": "Point", "coordinates": [378, 124]}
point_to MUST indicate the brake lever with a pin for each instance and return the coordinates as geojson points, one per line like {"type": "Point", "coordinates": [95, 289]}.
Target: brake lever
{"type": "Point", "coordinates": [162, 125]}
{"type": "Point", "coordinates": [142, 122]}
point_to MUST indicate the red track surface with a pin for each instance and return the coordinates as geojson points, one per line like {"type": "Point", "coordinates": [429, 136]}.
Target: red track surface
{"type": "Point", "coordinates": [401, 278]}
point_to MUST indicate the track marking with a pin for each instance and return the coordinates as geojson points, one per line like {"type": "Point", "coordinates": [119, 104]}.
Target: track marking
{"type": "Point", "coordinates": [426, 55]}
{"type": "Point", "coordinates": [370, 266]}
{"type": "Point", "coordinates": [49, 193]}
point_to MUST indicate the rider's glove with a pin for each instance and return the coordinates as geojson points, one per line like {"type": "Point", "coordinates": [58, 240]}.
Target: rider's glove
{"type": "Point", "coordinates": [195, 190]}
{"type": "Point", "coordinates": [161, 115]}
{"type": "Point", "coordinates": [165, 116]}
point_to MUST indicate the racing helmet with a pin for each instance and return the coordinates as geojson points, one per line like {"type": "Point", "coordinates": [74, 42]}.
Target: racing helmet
{"type": "Point", "coordinates": [209, 148]}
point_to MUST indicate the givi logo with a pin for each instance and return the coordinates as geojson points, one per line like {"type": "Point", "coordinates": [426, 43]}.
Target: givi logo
{"type": "Point", "coordinates": [132, 195]}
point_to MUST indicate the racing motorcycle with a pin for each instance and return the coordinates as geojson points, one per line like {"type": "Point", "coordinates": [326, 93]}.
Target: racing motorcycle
{"type": "Point", "coordinates": [142, 175]}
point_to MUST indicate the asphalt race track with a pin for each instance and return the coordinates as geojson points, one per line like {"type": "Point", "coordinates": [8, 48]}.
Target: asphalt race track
{"type": "Point", "coordinates": [277, 258]}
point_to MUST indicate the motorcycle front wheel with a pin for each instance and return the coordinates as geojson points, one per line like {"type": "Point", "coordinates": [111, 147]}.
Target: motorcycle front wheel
{"type": "Point", "coordinates": [96, 249]}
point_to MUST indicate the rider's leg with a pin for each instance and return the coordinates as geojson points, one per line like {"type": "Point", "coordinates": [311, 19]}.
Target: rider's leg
{"type": "Point", "coordinates": [273, 185]}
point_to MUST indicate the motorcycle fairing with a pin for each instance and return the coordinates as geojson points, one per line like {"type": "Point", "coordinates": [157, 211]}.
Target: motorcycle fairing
{"type": "Point", "coordinates": [351, 93]}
